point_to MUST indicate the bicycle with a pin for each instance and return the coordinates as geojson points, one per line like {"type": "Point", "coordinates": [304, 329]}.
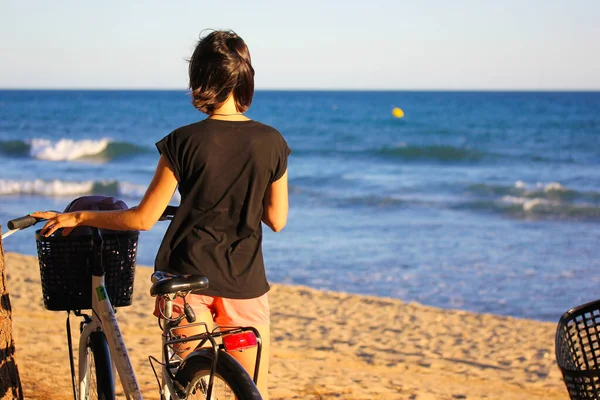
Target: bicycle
{"type": "Point", "coordinates": [577, 346]}
{"type": "Point", "coordinates": [208, 372]}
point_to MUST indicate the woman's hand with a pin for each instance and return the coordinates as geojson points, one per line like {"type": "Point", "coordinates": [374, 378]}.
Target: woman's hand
{"type": "Point", "coordinates": [68, 221]}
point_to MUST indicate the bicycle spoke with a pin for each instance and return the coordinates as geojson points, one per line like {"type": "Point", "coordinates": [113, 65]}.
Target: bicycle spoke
{"type": "Point", "coordinates": [92, 387]}
{"type": "Point", "coordinates": [220, 389]}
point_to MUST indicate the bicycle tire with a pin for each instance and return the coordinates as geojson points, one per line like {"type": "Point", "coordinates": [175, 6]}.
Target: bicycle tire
{"type": "Point", "coordinates": [195, 372]}
{"type": "Point", "coordinates": [99, 369]}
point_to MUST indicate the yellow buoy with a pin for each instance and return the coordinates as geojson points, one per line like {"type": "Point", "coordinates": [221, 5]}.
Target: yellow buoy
{"type": "Point", "coordinates": [397, 112]}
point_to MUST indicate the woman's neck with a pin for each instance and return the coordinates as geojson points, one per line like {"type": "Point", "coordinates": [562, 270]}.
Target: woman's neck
{"type": "Point", "coordinates": [228, 111]}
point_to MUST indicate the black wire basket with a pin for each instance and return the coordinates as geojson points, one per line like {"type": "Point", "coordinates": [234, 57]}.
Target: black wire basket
{"type": "Point", "coordinates": [578, 351]}
{"type": "Point", "coordinates": [66, 269]}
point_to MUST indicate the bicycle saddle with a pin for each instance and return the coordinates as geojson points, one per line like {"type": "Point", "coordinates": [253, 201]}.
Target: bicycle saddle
{"type": "Point", "coordinates": [165, 283]}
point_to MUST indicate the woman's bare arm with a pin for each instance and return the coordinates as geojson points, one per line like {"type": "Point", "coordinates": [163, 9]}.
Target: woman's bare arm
{"type": "Point", "coordinates": [275, 204]}
{"type": "Point", "coordinates": [143, 217]}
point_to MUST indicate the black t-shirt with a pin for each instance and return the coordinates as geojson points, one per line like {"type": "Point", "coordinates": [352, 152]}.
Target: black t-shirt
{"type": "Point", "coordinates": [223, 169]}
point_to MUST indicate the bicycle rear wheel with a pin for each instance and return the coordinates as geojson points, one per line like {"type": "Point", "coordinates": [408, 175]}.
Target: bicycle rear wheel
{"type": "Point", "coordinates": [231, 381]}
{"type": "Point", "coordinates": [98, 378]}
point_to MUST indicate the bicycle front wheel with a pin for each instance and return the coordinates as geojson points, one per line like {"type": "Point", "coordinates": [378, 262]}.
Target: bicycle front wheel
{"type": "Point", "coordinates": [99, 382]}
{"type": "Point", "coordinates": [231, 381]}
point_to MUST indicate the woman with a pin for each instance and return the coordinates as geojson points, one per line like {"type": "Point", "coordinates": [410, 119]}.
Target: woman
{"type": "Point", "coordinates": [232, 174]}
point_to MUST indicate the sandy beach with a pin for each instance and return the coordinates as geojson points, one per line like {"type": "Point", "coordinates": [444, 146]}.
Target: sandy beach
{"type": "Point", "coordinates": [325, 345]}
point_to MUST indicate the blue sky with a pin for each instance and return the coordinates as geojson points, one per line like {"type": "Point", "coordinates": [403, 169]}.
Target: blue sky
{"type": "Point", "coordinates": [309, 44]}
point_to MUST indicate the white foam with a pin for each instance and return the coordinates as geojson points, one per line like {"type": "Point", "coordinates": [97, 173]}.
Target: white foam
{"type": "Point", "coordinates": [57, 188]}
{"type": "Point", "coordinates": [555, 186]}
{"type": "Point", "coordinates": [536, 203]}
{"type": "Point", "coordinates": [66, 149]}
{"type": "Point", "coordinates": [528, 203]}
{"type": "Point", "coordinates": [45, 188]}
{"type": "Point", "coordinates": [546, 187]}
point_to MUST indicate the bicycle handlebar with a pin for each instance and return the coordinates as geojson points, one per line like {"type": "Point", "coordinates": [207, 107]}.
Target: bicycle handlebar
{"type": "Point", "coordinates": [26, 221]}
{"type": "Point", "coordinates": [23, 222]}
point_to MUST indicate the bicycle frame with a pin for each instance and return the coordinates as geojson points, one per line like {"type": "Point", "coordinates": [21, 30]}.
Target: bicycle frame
{"type": "Point", "coordinates": [104, 319]}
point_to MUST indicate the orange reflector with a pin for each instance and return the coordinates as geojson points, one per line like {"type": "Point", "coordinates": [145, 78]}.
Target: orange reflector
{"type": "Point", "coordinates": [239, 341]}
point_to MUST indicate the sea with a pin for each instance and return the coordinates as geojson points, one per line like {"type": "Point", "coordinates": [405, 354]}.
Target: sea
{"type": "Point", "coordinates": [480, 201]}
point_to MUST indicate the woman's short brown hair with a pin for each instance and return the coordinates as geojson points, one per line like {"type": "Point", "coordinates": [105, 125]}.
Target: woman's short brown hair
{"type": "Point", "coordinates": [219, 66]}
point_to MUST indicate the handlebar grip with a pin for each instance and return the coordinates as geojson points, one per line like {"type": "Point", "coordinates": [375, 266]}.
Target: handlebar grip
{"type": "Point", "coordinates": [22, 222]}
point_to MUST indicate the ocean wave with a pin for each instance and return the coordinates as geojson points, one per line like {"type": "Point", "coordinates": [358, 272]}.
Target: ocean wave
{"type": "Point", "coordinates": [520, 208]}
{"type": "Point", "coordinates": [439, 152]}
{"type": "Point", "coordinates": [548, 209]}
{"type": "Point", "coordinates": [540, 200]}
{"type": "Point", "coordinates": [553, 191]}
{"type": "Point", "coordinates": [58, 188]}
{"type": "Point", "coordinates": [67, 149]}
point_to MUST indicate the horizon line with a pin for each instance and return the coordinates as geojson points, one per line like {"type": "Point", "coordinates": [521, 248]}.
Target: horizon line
{"type": "Point", "coordinates": [116, 89]}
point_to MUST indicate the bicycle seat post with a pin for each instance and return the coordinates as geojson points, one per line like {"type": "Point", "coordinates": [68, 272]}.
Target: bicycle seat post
{"type": "Point", "coordinates": [168, 306]}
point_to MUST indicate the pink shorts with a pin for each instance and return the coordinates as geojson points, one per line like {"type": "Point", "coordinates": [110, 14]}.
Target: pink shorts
{"type": "Point", "coordinates": [227, 312]}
